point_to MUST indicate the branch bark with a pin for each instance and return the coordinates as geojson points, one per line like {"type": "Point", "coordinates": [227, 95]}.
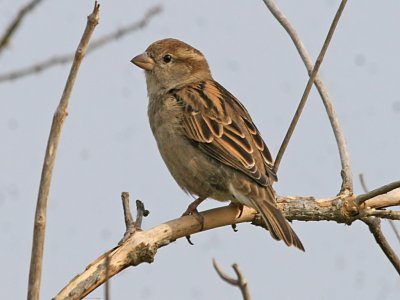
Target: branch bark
{"type": "Point", "coordinates": [39, 229]}
{"type": "Point", "coordinates": [142, 246]}
{"type": "Point", "coordinates": [347, 183]}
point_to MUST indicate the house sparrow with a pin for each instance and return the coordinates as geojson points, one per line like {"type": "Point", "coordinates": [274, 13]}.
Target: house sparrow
{"type": "Point", "coordinates": [206, 136]}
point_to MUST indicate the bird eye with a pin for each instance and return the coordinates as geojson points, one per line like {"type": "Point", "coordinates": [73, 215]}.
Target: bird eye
{"type": "Point", "coordinates": [167, 58]}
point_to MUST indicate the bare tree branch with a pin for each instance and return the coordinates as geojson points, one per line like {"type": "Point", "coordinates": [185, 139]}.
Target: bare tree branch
{"type": "Point", "coordinates": [142, 246]}
{"type": "Point", "coordinates": [16, 22]}
{"type": "Point", "coordinates": [383, 214]}
{"type": "Point", "coordinates": [391, 222]}
{"type": "Point", "coordinates": [96, 44]}
{"type": "Point", "coordinates": [130, 226]}
{"type": "Point", "coordinates": [385, 200]}
{"type": "Point", "coordinates": [127, 211]}
{"type": "Point", "coordinates": [374, 225]}
{"type": "Point", "coordinates": [240, 281]}
{"type": "Point", "coordinates": [347, 184]}
{"type": "Point", "coordinates": [379, 191]}
{"type": "Point", "coordinates": [140, 213]}
{"type": "Point", "coordinates": [60, 114]}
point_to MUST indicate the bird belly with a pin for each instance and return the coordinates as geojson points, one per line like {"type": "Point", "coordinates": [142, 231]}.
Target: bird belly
{"type": "Point", "coordinates": [194, 172]}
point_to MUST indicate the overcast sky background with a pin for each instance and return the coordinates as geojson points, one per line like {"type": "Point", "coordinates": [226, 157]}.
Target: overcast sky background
{"type": "Point", "coordinates": [106, 146]}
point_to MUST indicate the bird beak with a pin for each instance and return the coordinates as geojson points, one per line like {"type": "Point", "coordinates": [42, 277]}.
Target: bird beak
{"type": "Point", "coordinates": [143, 61]}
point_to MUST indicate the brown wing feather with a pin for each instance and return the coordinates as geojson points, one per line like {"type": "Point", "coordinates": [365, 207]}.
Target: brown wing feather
{"type": "Point", "coordinates": [232, 139]}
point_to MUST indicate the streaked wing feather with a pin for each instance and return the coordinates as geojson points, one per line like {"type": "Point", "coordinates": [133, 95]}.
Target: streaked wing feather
{"type": "Point", "coordinates": [220, 135]}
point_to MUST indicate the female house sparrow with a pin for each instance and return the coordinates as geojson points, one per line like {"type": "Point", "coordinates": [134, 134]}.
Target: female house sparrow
{"type": "Point", "coordinates": [206, 137]}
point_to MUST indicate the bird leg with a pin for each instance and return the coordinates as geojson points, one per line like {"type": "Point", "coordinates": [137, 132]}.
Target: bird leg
{"type": "Point", "coordinates": [192, 210]}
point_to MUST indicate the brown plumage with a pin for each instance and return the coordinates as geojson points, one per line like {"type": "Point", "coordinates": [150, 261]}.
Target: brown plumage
{"type": "Point", "coordinates": [206, 136]}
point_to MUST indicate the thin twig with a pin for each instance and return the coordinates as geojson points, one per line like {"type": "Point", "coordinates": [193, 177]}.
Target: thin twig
{"type": "Point", "coordinates": [374, 225]}
{"type": "Point", "coordinates": [127, 211]}
{"type": "Point", "coordinates": [379, 191]}
{"type": "Point", "coordinates": [363, 183]}
{"type": "Point", "coordinates": [48, 164]}
{"type": "Point", "coordinates": [240, 281]}
{"type": "Point", "coordinates": [16, 22]}
{"type": "Point", "coordinates": [130, 225]}
{"type": "Point", "coordinates": [309, 85]}
{"type": "Point", "coordinates": [140, 213]}
{"type": "Point", "coordinates": [96, 44]}
{"type": "Point", "coordinates": [391, 222]}
{"type": "Point", "coordinates": [305, 56]}
{"type": "Point", "coordinates": [383, 214]}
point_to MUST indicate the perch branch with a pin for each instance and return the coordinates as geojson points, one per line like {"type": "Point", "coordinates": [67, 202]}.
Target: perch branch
{"type": "Point", "coordinates": [347, 184]}
{"type": "Point", "coordinates": [48, 164]}
{"type": "Point", "coordinates": [96, 44]}
{"type": "Point", "coordinates": [374, 225]}
{"type": "Point", "coordinates": [142, 246]}
{"type": "Point", "coordinates": [240, 281]}
{"type": "Point", "coordinates": [16, 22]}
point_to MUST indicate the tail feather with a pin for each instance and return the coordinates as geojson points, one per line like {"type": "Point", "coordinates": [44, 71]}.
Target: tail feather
{"type": "Point", "coordinates": [277, 224]}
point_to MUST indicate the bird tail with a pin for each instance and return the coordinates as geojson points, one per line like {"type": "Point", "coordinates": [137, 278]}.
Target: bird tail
{"type": "Point", "coordinates": [277, 224]}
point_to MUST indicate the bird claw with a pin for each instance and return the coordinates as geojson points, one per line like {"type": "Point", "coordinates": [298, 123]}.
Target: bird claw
{"type": "Point", "coordinates": [189, 240]}
{"type": "Point", "coordinates": [239, 206]}
{"type": "Point", "coordinates": [234, 227]}
{"type": "Point", "coordinates": [192, 211]}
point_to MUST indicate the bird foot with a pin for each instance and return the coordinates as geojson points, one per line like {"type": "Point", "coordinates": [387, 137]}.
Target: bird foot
{"type": "Point", "coordinates": [192, 211]}
{"type": "Point", "coordinates": [239, 206]}
{"type": "Point", "coordinates": [195, 213]}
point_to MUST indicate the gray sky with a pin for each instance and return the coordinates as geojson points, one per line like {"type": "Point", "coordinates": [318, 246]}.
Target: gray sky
{"type": "Point", "coordinates": [106, 146]}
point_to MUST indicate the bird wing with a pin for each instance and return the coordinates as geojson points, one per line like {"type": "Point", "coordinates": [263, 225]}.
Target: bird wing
{"type": "Point", "coordinates": [222, 128]}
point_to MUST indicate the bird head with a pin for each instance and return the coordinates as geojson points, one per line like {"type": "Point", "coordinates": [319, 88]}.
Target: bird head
{"type": "Point", "coordinates": [170, 64]}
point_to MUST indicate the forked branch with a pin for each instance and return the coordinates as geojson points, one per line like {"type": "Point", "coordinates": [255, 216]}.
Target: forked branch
{"type": "Point", "coordinates": [240, 281]}
{"type": "Point", "coordinates": [374, 224]}
{"type": "Point", "coordinates": [347, 184]}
